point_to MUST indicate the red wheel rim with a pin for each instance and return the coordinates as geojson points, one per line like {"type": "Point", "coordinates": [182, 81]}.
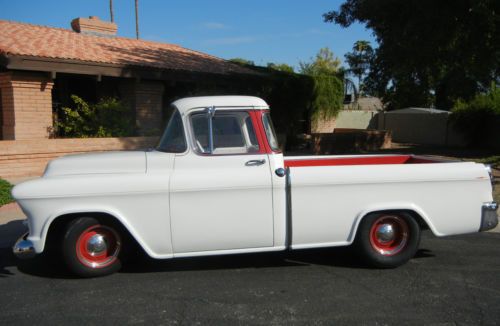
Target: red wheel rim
{"type": "Point", "coordinates": [389, 235]}
{"type": "Point", "coordinates": [98, 246]}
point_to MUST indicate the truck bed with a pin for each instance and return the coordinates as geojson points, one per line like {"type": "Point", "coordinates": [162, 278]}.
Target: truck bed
{"type": "Point", "coordinates": [305, 161]}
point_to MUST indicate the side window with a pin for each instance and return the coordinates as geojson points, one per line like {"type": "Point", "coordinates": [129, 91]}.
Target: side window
{"type": "Point", "coordinates": [232, 133]}
{"type": "Point", "coordinates": [173, 140]}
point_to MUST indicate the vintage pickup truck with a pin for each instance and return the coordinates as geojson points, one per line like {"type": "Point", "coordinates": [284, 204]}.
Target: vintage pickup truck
{"type": "Point", "coordinates": [217, 183]}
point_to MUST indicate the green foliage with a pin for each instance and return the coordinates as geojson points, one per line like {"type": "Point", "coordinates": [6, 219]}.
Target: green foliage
{"type": "Point", "coordinates": [107, 118]}
{"type": "Point", "coordinates": [280, 67]}
{"type": "Point", "coordinates": [429, 51]}
{"type": "Point", "coordinates": [479, 117]}
{"type": "Point", "coordinates": [325, 63]}
{"type": "Point", "coordinates": [328, 94]}
{"type": "Point", "coordinates": [328, 97]}
{"type": "Point", "coordinates": [242, 62]}
{"type": "Point", "coordinates": [359, 61]}
{"type": "Point", "coordinates": [5, 188]}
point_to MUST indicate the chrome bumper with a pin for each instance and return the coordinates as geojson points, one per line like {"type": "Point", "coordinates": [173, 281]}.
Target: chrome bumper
{"type": "Point", "coordinates": [24, 248]}
{"type": "Point", "coordinates": [489, 218]}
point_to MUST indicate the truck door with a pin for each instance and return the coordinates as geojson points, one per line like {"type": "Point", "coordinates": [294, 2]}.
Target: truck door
{"type": "Point", "coordinates": [221, 192]}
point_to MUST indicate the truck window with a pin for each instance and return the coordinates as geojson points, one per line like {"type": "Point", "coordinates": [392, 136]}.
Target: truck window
{"type": "Point", "coordinates": [173, 139]}
{"type": "Point", "coordinates": [232, 133]}
{"type": "Point", "coordinates": [270, 133]}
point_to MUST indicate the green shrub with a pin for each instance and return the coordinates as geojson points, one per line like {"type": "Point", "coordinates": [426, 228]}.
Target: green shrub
{"type": "Point", "coordinates": [5, 188]}
{"type": "Point", "coordinates": [479, 117]}
{"type": "Point", "coordinates": [107, 118]}
{"type": "Point", "coordinates": [328, 96]}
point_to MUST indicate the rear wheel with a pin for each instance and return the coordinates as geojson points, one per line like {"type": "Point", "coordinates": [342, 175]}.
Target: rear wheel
{"type": "Point", "coordinates": [91, 248]}
{"type": "Point", "coordinates": [387, 239]}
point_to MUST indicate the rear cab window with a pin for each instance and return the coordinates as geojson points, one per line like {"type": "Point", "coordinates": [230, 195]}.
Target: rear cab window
{"type": "Point", "coordinates": [270, 132]}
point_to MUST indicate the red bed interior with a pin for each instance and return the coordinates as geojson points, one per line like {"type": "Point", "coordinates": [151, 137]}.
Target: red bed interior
{"type": "Point", "coordinates": [395, 159]}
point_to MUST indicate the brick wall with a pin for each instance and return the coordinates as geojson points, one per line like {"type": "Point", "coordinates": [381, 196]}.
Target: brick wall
{"type": "Point", "coordinates": [25, 158]}
{"type": "Point", "coordinates": [148, 107]}
{"type": "Point", "coordinates": [26, 105]}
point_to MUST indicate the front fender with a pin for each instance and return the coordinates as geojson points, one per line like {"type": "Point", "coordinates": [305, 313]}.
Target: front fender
{"type": "Point", "coordinates": [139, 202]}
{"type": "Point", "coordinates": [89, 211]}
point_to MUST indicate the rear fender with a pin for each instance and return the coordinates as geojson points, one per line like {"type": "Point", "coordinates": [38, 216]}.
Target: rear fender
{"type": "Point", "coordinates": [391, 207]}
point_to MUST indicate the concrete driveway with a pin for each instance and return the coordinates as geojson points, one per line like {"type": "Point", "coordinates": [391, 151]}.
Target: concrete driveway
{"type": "Point", "coordinates": [452, 281]}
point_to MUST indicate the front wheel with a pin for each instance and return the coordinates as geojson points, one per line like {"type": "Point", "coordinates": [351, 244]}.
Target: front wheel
{"type": "Point", "coordinates": [91, 248]}
{"type": "Point", "coordinates": [387, 240]}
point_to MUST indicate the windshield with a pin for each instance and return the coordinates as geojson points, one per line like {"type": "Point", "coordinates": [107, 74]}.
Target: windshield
{"type": "Point", "coordinates": [173, 140]}
{"type": "Point", "coordinates": [270, 133]}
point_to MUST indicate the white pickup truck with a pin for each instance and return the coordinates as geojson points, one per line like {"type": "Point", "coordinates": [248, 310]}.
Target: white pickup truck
{"type": "Point", "coordinates": [218, 184]}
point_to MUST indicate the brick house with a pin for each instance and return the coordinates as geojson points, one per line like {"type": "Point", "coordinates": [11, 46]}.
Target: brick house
{"type": "Point", "coordinates": [41, 67]}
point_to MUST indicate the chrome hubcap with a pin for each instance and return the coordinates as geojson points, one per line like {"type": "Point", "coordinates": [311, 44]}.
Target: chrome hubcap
{"type": "Point", "coordinates": [385, 233]}
{"type": "Point", "coordinates": [96, 245]}
{"type": "Point", "coordinates": [389, 235]}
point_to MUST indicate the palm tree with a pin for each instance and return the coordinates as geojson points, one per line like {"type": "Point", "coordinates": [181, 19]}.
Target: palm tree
{"type": "Point", "coordinates": [359, 60]}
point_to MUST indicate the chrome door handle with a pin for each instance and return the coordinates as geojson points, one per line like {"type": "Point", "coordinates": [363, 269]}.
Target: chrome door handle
{"type": "Point", "coordinates": [255, 162]}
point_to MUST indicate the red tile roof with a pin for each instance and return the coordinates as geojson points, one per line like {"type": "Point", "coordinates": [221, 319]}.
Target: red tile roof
{"type": "Point", "coordinates": [57, 43]}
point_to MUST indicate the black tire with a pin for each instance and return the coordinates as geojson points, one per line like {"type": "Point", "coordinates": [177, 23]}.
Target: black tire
{"type": "Point", "coordinates": [387, 239]}
{"type": "Point", "coordinates": [91, 248]}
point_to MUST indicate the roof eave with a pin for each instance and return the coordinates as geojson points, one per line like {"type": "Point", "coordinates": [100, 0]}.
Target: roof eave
{"type": "Point", "coordinates": [70, 66]}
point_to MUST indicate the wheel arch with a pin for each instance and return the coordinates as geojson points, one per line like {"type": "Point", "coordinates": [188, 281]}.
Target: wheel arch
{"type": "Point", "coordinates": [418, 214]}
{"type": "Point", "coordinates": [56, 224]}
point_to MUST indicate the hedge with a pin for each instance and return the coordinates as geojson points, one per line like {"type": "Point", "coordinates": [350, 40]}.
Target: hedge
{"type": "Point", "coordinates": [5, 188]}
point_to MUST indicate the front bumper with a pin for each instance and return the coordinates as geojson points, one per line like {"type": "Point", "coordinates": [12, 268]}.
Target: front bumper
{"type": "Point", "coordinates": [489, 218]}
{"type": "Point", "coordinates": [24, 249]}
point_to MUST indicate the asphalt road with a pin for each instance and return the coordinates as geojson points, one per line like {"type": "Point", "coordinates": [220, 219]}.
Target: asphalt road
{"type": "Point", "coordinates": [452, 281]}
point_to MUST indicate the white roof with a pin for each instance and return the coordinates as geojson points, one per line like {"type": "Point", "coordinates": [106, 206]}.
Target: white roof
{"type": "Point", "coordinates": [419, 111]}
{"type": "Point", "coordinates": [185, 104]}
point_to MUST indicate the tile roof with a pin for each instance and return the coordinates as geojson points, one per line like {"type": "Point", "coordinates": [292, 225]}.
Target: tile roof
{"type": "Point", "coordinates": [57, 43]}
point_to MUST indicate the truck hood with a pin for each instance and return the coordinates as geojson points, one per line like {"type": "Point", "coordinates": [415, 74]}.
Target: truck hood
{"type": "Point", "coordinates": [99, 163]}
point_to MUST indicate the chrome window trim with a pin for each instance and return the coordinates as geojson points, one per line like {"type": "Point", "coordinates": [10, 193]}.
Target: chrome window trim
{"type": "Point", "coordinates": [189, 126]}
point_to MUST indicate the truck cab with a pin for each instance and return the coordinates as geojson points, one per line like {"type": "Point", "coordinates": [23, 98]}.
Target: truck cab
{"type": "Point", "coordinates": [221, 189]}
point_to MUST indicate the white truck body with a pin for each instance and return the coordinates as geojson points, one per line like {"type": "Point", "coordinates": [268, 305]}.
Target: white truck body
{"type": "Point", "coordinates": [192, 203]}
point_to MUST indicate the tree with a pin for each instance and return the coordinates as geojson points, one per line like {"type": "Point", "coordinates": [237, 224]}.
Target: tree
{"type": "Point", "coordinates": [281, 67]}
{"type": "Point", "coordinates": [327, 74]}
{"type": "Point", "coordinates": [429, 51]}
{"type": "Point", "coordinates": [359, 61]}
{"type": "Point", "coordinates": [325, 63]}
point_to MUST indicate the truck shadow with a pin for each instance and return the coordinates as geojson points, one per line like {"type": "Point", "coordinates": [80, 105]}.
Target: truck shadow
{"type": "Point", "coordinates": [51, 267]}
{"type": "Point", "coordinates": [334, 257]}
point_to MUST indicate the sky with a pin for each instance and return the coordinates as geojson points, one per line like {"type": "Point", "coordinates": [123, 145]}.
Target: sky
{"type": "Point", "coordinates": [279, 31]}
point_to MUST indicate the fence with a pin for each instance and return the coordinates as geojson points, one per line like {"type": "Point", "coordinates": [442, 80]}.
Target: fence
{"type": "Point", "coordinates": [354, 119]}
{"type": "Point", "coordinates": [421, 128]}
